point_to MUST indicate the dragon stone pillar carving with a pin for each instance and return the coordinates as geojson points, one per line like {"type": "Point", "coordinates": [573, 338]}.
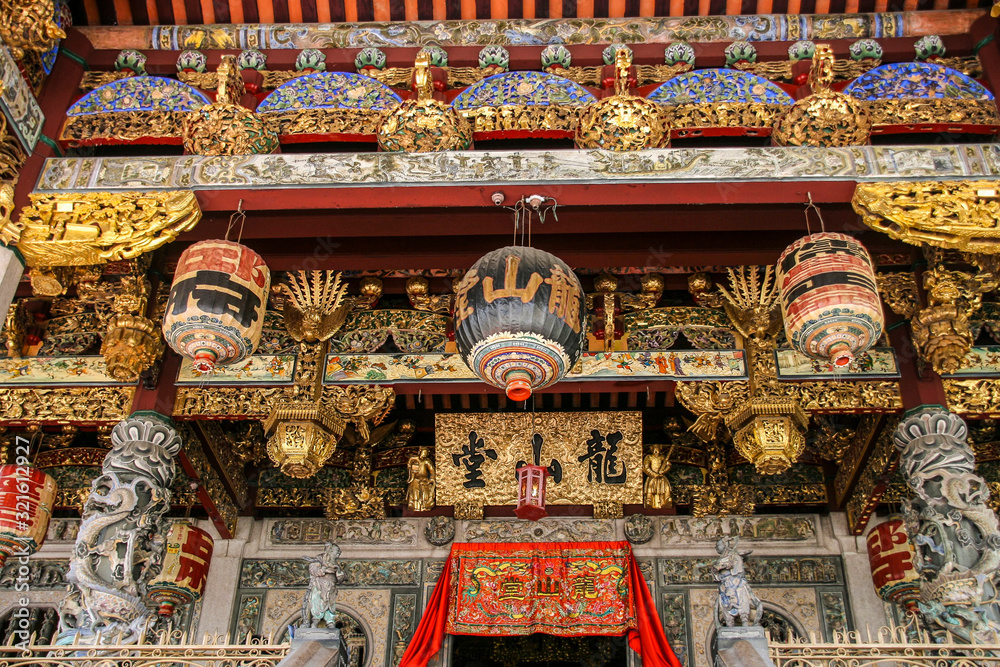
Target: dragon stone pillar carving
{"type": "Point", "coordinates": [120, 544]}
{"type": "Point", "coordinates": [955, 535]}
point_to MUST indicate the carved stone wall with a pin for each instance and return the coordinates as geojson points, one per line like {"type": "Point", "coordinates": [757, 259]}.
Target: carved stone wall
{"type": "Point", "coordinates": [806, 567]}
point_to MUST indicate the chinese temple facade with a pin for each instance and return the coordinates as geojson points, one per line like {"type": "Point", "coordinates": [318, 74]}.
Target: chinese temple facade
{"type": "Point", "coordinates": [499, 333]}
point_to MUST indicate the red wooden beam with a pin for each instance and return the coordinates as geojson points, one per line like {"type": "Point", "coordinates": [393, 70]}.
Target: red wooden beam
{"type": "Point", "coordinates": [606, 194]}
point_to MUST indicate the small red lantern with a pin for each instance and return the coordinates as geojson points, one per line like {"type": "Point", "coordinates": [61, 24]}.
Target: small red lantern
{"type": "Point", "coordinates": [26, 498]}
{"type": "Point", "coordinates": [185, 568]}
{"type": "Point", "coordinates": [531, 492]}
{"type": "Point", "coordinates": [891, 559]}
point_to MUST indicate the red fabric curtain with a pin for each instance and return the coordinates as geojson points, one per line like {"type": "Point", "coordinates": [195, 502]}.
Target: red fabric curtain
{"type": "Point", "coordinates": [646, 637]}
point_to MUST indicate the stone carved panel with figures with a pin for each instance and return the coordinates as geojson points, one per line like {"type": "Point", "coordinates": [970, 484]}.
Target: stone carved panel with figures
{"type": "Point", "coordinates": [320, 531]}
{"type": "Point", "coordinates": [681, 530]}
{"type": "Point", "coordinates": [294, 573]}
{"type": "Point", "coordinates": [550, 529]}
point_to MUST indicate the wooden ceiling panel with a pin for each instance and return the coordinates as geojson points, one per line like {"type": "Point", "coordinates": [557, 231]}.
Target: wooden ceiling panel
{"type": "Point", "coordinates": [207, 12]}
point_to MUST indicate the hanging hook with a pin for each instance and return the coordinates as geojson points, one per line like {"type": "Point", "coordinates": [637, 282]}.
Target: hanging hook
{"type": "Point", "coordinates": [237, 215]}
{"type": "Point", "coordinates": [819, 214]}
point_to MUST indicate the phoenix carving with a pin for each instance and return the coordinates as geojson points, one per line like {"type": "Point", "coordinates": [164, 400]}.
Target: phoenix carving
{"type": "Point", "coordinates": [315, 305]}
{"type": "Point", "coordinates": [752, 302]}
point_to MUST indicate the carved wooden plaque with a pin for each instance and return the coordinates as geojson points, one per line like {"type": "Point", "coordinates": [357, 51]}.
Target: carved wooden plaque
{"type": "Point", "coordinates": [593, 458]}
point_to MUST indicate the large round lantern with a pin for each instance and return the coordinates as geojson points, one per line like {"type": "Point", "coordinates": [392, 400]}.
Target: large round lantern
{"type": "Point", "coordinates": [216, 309]}
{"type": "Point", "coordinates": [520, 317]}
{"type": "Point", "coordinates": [829, 298]}
{"type": "Point", "coordinates": [890, 556]}
{"type": "Point", "coordinates": [26, 498]}
{"type": "Point", "coordinates": [185, 567]}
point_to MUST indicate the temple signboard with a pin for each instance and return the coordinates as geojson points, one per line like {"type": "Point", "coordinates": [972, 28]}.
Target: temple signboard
{"type": "Point", "coordinates": [592, 458]}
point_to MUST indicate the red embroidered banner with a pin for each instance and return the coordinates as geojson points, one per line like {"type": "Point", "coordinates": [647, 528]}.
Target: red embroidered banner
{"type": "Point", "coordinates": [558, 591]}
{"type": "Point", "coordinates": [569, 589]}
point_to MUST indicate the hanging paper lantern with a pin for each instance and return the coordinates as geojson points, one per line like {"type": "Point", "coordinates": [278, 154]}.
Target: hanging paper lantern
{"type": "Point", "coordinates": [26, 497]}
{"type": "Point", "coordinates": [216, 309]}
{"type": "Point", "coordinates": [519, 318]}
{"type": "Point", "coordinates": [890, 556]}
{"type": "Point", "coordinates": [829, 297]}
{"type": "Point", "coordinates": [531, 492]}
{"type": "Point", "coordinates": [185, 568]}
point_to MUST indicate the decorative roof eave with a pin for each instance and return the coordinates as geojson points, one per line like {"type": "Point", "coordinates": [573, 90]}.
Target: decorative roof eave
{"type": "Point", "coordinates": [536, 32]}
{"type": "Point", "coordinates": [859, 164]}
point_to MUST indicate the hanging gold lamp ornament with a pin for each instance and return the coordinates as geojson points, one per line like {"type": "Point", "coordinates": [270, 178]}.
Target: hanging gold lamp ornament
{"type": "Point", "coordinates": [622, 122]}
{"type": "Point", "coordinates": [769, 432]}
{"type": "Point", "coordinates": [424, 125]}
{"type": "Point", "coordinates": [825, 118]}
{"type": "Point", "coordinates": [302, 436]}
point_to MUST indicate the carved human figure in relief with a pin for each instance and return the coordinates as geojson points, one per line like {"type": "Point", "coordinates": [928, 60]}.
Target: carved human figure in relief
{"type": "Point", "coordinates": [420, 481]}
{"type": "Point", "coordinates": [736, 600]}
{"type": "Point", "coordinates": [656, 492]}
{"type": "Point", "coordinates": [325, 575]}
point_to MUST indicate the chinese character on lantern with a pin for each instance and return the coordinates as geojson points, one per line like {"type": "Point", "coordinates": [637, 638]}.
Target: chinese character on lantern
{"type": "Point", "coordinates": [185, 566]}
{"type": "Point", "coordinates": [891, 559]}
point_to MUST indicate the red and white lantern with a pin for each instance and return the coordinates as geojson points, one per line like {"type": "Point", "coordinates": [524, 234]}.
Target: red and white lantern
{"type": "Point", "coordinates": [890, 556]}
{"type": "Point", "coordinates": [829, 298]}
{"type": "Point", "coordinates": [185, 568]}
{"type": "Point", "coordinates": [531, 492]}
{"type": "Point", "coordinates": [216, 309]}
{"type": "Point", "coordinates": [26, 498]}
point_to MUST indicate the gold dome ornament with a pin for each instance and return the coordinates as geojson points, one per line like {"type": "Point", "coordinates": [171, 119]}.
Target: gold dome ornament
{"type": "Point", "coordinates": [424, 125]}
{"type": "Point", "coordinates": [622, 122]}
{"type": "Point", "coordinates": [824, 118]}
{"type": "Point", "coordinates": [225, 127]}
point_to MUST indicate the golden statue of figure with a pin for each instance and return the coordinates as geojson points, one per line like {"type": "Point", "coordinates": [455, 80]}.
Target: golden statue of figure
{"type": "Point", "coordinates": [420, 481]}
{"type": "Point", "coordinates": [656, 491]}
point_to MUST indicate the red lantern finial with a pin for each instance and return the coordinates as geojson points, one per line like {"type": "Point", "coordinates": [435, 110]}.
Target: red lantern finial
{"type": "Point", "coordinates": [518, 385]}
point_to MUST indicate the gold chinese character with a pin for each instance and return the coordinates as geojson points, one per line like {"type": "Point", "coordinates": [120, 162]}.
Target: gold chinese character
{"type": "Point", "coordinates": [564, 298]}
{"type": "Point", "coordinates": [511, 590]}
{"type": "Point", "coordinates": [584, 586]}
{"type": "Point", "coordinates": [462, 307]}
{"type": "Point", "coordinates": [547, 587]}
{"type": "Point", "coordinates": [510, 288]}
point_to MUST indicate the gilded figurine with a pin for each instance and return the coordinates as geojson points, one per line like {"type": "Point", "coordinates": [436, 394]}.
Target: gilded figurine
{"type": "Point", "coordinates": [325, 574]}
{"type": "Point", "coordinates": [656, 492]}
{"type": "Point", "coordinates": [420, 482]}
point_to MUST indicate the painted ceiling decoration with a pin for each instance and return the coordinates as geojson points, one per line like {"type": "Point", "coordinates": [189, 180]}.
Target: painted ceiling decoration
{"type": "Point", "coordinates": [164, 12]}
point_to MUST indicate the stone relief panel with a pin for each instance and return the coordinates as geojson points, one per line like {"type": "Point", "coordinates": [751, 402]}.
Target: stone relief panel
{"type": "Point", "coordinates": [371, 607]}
{"type": "Point", "coordinates": [403, 624]}
{"type": "Point", "coordinates": [42, 574]}
{"type": "Point", "coordinates": [796, 603]}
{"type": "Point", "coordinates": [683, 530]}
{"type": "Point", "coordinates": [294, 573]}
{"type": "Point", "coordinates": [673, 165]}
{"type": "Point", "coordinates": [760, 570]}
{"type": "Point", "coordinates": [834, 606]}
{"type": "Point", "coordinates": [387, 532]}
{"type": "Point", "coordinates": [546, 530]}
{"type": "Point", "coordinates": [673, 613]}
{"type": "Point", "coordinates": [62, 530]}
{"type": "Point", "coordinates": [281, 609]}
